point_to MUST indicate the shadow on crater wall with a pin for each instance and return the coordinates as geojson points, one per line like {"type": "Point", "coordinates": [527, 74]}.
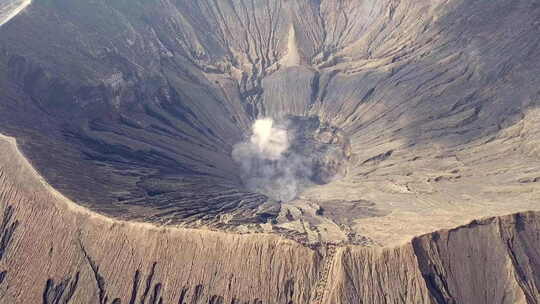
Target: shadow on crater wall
{"type": "Point", "coordinates": [138, 103]}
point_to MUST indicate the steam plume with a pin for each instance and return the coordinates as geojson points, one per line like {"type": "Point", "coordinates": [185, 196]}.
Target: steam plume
{"type": "Point", "coordinates": [282, 158]}
{"type": "Point", "coordinates": [268, 166]}
{"type": "Point", "coordinates": [270, 141]}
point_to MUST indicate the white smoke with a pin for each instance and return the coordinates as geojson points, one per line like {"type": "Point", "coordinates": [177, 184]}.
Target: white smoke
{"type": "Point", "coordinates": [267, 164]}
{"type": "Point", "coordinates": [269, 141]}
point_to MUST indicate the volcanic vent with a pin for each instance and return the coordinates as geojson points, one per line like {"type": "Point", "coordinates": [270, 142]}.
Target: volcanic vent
{"type": "Point", "coordinates": [283, 157]}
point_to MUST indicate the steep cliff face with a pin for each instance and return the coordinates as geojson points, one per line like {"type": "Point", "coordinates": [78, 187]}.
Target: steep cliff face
{"type": "Point", "coordinates": [492, 260]}
{"type": "Point", "coordinates": [497, 256]}
{"type": "Point", "coordinates": [367, 275]}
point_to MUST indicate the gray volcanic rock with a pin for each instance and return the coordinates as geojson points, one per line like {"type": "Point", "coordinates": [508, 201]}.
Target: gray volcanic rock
{"type": "Point", "coordinates": [142, 103]}
{"type": "Point", "coordinates": [406, 117]}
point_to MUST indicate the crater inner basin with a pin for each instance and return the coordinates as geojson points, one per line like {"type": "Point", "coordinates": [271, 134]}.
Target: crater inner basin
{"type": "Point", "coordinates": [283, 157]}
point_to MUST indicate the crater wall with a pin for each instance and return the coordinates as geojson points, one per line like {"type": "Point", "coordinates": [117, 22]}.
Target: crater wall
{"type": "Point", "coordinates": [142, 103]}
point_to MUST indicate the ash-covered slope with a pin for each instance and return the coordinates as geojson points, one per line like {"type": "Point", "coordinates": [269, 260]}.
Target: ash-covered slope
{"type": "Point", "coordinates": [54, 251]}
{"type": "Point", "coordinates": [132, 108]}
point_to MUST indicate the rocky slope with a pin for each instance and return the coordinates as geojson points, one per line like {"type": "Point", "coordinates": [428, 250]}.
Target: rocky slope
{"type": "Point", "coordinates": [53, 251]}
{"type": "Point", "coordinates": [148, 98]}
{"type": "Point", "coordinates": [127, 114]}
